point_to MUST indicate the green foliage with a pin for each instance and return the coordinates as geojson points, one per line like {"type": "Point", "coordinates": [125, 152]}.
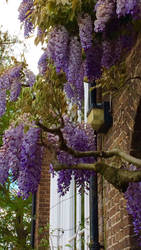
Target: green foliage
{"type": "Point", "coordinates": [5, 119]}
{"type": "Point", "coordinates": [6, 59]}
{"type": "Point", "coordinates": [44, 235]}
{"type": "Point", "coordinates": [15, 218]}
{"type": "Point", "coordinates": [6, 49]}
{"type": "Point", "coordinates": [45, 100]}
{"type": "Point", "coordinates": [15, 213]}
{"type": "Point", "coordinates": [68, 245]}
{"type": "Point", "coordinates": [113, 79]}
{"type": "Point", "coordinates": [54, 12]}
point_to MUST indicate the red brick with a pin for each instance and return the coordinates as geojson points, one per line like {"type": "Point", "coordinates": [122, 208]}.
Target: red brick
{"type": "Point", "coordinates": [123, 135]}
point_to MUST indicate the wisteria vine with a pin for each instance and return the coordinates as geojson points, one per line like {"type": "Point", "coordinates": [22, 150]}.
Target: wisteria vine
{"type": "Point", "coordinates": [71, 52]}
{"type": "Point", "coordinates": [79, 54]}
{"type": "Point", "coordinates": [20, 157]}
{"type": "Point", "coordinates": [79, 137]}
{"type": "Point", "coordinates": [12, 80]}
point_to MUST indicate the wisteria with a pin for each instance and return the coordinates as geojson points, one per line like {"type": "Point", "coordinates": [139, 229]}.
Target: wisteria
{"type": "Point", "coordinates": [25, 11]}
{"type": "Point", "coordinates": [80, 137]}
{"type": "Point", "coordinates": [21, 157]}
{"type": "Point", "coordinates": [113, 50]}
{"type": "Point", "coordinates": [29, 78]}
{"type": "Point", "coordinates": [75, 59]}
{"type": "Point", "coordinates": [68, 88]}
{"type": "Point", "coordinates": [57, 50]}
{"type": "Point", "coordinates": [9, 80]}
{"type": "Point", "coordinates": [4, 171]}
{"type": "Point", "coordinates": [85, 31]}
{"type": "Point", "coordinates": [28, 27]}
{"type": "Point", "coordinates": [121, 7]}
{"type": "Point", "coordinates": [79, 87]}
{"type": "Point", "coordinates": [81, 46]}
{"type": "Point", "coordinates": [93, 62]}
{"type": "Point", "coordinates": [67, 57]}
{"type": "Point", "coordinates": [2, 101]}
{"type": "Point", "coordinates": [133, 197]}
{"type": "Point", "coordinates": [51, 43]}
{"type": "Point", "coordinates": [24, 7]}
{"type": "Point", "coordinates": [39, 32]}
{"type": "Point", "coordinates": [75, 92]}
{"type": "Point", "coordinates": [104, 12]}
{"type": "Point", "coordinates": [108, 58]}
{"type": "Point", "coordinates": [12, 141]}
{"type": "Point", "coordinates": [42, 63]}
{"type": "Point", "coordinates": [15, 90]}
{"type": "Point", "coordinates": [61, 48]}
{"type": "Point", "coordinates": [13, 79]}
{"type": "Point", "coordinates": [132, 7]}
{"type": "Point", "coordinates": [30, 163]}
{"type": "Point", "coordinates": [5, 81]}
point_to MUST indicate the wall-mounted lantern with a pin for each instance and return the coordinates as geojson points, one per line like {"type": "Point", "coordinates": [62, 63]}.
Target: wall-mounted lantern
{"type": "Point", "coordinates": [99, 114]}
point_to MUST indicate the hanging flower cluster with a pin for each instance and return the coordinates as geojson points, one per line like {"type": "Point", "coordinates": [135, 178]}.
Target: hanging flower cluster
{"type": "Point", "coordinates": [66, 55]}
{"type": "Point", "coordinates": [25, 11]}
{"type": "Point", "coordinates": [79, 137]}
{"type": "Point", "coordinates": [20, 156]}
{"type": "Point", "coordinates": [12, 80]}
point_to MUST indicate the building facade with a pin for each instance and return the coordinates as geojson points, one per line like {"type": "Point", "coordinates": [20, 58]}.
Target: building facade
{"type": "Point", "coordinates": [65, 214]}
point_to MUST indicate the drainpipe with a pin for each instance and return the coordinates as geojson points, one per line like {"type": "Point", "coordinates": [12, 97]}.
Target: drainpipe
{"type": "Point", "coordinates": [33, 220]}
{"type": "Point", "coordinates": [94, 236]}
{"type": "Point", "coordinates": [94, 232]}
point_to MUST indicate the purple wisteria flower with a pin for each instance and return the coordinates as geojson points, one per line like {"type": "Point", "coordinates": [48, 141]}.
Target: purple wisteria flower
{"type": "Point", "coordinates": [28, 27]}
{"type": "Point", "coordinates": [85, 31]}
{"type": "Point", "coordinates": [25, 10]}
{"type": "Point", "coordinates": [42, 63]}
{"type": "Point", "coordinates": [108, 58]}
{"type": "Point", "coordinates": [61, 48]}
{"type": "Point", "coordinates": [15, 72]}
{"type": "Point", "coordinates": [39, 32]}
{"type": "Point", "coordinates": [105, 10]}
{"type": "Point", "coordinates": [133, 197]}
{"type": "Point", "coordinates": [75, 59]}
{"type": "Point", "coordinates": [80, 137]}
{"type": "Point", "coordinates": [121, 8]}
{"type": "Point", "coordinates": [21, 157]}
{"type": "Point", "coordinates": [51, 44]}
{"type": "Point", "coordinates": [2, 101]}
{"type": "Point", "coordinates": [29, 77]}
{"type": "Point", "coordinates": [5, 82]}
{"type": "Point", "coordinates": [15, 90]}
{"type": "Point", "coordinates": [93, 62]}
{"type": "Point", "coordinates": [30, 163]}
{"type": "Point", "coordinates": [75, 90]}
{"type": "Point", "coordinates": [12, 141]}
{"type": "Point", "coordinates": [125, 7]}
{"type": "Point", "coordinates": [4, 170]}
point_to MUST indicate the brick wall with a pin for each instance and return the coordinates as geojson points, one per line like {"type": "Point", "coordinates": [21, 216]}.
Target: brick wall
{"type": "Point", "coordinates": [115, 226]}
{"type": "Point", "coordinates": [43, 202]}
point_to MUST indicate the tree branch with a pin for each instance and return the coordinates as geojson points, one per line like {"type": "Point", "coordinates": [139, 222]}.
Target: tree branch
{"type": "Point", "coordinates": [101, 154]}
{"type": "Point", "coordinates": [133, 78]}
{"type": "Point", "coordinates": [55, 131]}
{"type": "Point", "coordinates": [25, 85]}
{"type": "Point", "coordinates": [119, 178]}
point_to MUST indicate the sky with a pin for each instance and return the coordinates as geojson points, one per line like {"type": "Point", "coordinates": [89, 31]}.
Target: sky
{"type": "Point", "coordinates": [9, 21]}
